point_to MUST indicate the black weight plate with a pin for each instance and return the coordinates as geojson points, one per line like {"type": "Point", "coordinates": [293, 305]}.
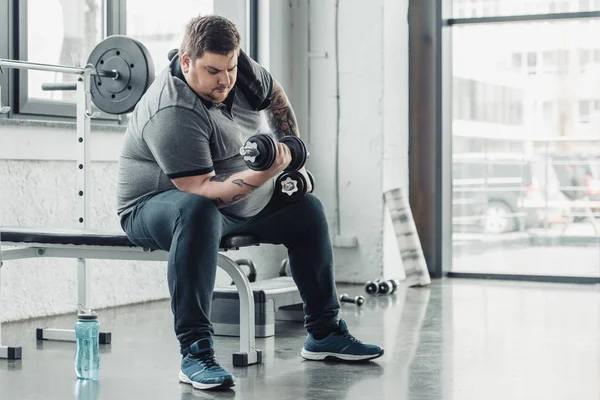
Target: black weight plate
{"type": "Point", "coordinates": [312, 180]}
{"type": "Point", "coordinates": [136, 72]}
{"type": "Point", "coordinates": [149, 63]}
{"type": "Point", "coordinates": [298, 150]}
{"type": "Point", "coordinates": [267, 152]}
{"type": "Point", "coordinates": [301, 186]}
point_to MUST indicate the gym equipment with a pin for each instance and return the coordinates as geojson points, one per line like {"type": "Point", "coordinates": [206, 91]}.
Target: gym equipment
{"type": "Point", "coordinates": [260, 150]}
{"type": "Point", "coordinates": [284, 269]}
{"type": "Point", "coordinates": [387, 287]}
{"type": "Point", "coordinates": [251, 269]}
{"type": "Point", "coordinates": [82, 244]}
{"type": "Point", "coordinates": [358, 300]}
{"type": "Point", "coordinates": [292, 186]}
{"type": "Point", "coordinates": [372, 287]}
{"type": "Point", "coordinates": [119, 70]}
{"type": "Point", "coordinates": [274, 299]}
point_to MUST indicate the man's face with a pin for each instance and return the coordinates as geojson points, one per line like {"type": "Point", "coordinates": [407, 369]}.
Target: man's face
{"type": "Point", "coordinates": [211, 76]}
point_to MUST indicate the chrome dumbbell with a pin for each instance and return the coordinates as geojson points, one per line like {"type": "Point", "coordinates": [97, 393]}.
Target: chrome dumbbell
{"type": "Point", "coordinates": [358, 300]}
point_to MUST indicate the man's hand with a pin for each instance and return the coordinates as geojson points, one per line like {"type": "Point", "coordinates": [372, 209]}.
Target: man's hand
{"type": "Point", "coordinates": [282, 160]}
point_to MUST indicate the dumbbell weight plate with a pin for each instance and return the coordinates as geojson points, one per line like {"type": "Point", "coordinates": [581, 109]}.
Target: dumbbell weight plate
{"type": "Point", "coordinates": [298, 151]}
{"type": "Point", "coordinates": [290, 186]}
{"type": "Point", "coordinates": [311, 178]}
{"type": "Point", "coordinates": [267, 149]}
{"type": "Point", "coordinates": [132, 60]}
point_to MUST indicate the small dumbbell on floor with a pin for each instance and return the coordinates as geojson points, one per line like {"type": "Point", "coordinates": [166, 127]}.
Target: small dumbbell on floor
{"type": "Point", "coordinates": [358, 300]}
{"type": "Point", "coordinates": [381, 287]}
{"type": "Point", "coordinates": [259, 152]}
{"type": "Point", "coordinates": [387, 287]}
{"type": "Point", "coordinates": [292, 186]}
{"type": "Point", "coordinates": [372, 287]}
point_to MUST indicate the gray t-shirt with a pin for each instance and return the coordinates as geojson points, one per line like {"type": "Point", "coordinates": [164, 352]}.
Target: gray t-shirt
{"type": "Point", "coordinates": [174, 133]}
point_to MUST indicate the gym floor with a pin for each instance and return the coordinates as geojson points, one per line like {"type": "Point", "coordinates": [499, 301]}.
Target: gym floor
{"type": "Point", "coordinates": [455, 339]}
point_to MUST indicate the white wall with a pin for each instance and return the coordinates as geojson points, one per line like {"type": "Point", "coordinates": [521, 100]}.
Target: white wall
{"type": "Point", "coordinates": [373, 124]}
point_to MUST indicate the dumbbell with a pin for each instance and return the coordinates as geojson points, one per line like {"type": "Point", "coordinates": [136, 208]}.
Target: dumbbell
{"type": "Point", "coordinates": [260, 150]}
{"type": "Point", "coordinates": [372, 287]}
{"type": "Point", "coordinates": [387, 287]}
{"type": "Point", "coordinates": [292, 186]}
{"type": "Point", "coordinates": [358, 300]}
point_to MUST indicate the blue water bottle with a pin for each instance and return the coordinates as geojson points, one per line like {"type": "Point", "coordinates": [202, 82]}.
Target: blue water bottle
{"type": "Point", "coordinates": [87, 356]}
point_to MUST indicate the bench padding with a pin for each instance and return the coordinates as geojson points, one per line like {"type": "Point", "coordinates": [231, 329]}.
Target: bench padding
{"type": "Point", "coordinates": [90, 237]}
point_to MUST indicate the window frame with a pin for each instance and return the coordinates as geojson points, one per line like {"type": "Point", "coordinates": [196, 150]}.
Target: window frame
{"type": "Point", "coordinates": [440, 141]}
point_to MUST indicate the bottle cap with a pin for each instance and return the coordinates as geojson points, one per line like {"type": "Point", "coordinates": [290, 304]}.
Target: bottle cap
{"type": "Point", "coordinates": [87, 315]}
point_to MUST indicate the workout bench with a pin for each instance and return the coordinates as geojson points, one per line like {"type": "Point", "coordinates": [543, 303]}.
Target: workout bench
{"type": "Point", "coordinates": [89, 244]}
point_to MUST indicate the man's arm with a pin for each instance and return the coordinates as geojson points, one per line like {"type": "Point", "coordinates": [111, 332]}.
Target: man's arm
{"type": "Point", "coordinates": [224, 189]}
{"type": "Point", "coordinates": [228, 189]}
{"type": "Point", "coordinates": [280, 115]}
{"type": "Point", "coordinates": [282, 120]}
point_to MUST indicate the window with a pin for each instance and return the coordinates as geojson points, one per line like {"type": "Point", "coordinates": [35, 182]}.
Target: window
{"type": "Point", "coordinates": [78, 26]}
{"type": "Point", "coordinates": [531, 62]}
{"type": "Point", "coordinates": [549, 115]}
{"type": "Point", "coordinates": [584, 111]}
{"type": "Point", "coordinates": [584, 58]}
{"type": "Point", "coordinates": [76, 29]}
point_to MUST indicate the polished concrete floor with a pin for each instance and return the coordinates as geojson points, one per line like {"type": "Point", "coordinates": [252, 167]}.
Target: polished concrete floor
{"type": "Point", "coordinates": [455, 339]}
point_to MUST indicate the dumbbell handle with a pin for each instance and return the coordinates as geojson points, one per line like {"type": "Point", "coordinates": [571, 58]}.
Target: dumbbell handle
{"type": "Point", "coordinates": [358, 300]}
{"type": "Point", "coordinates": [253, 152]}
{"type": "Point", "coordinates": [249, 151]}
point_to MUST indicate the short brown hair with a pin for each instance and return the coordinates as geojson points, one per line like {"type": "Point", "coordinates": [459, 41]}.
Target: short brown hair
{"type": "Point", "coordinates": [209, 33]}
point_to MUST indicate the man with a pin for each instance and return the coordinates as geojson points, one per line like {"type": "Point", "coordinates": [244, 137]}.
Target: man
{"type": "Point", "coordinates": [183, 186]}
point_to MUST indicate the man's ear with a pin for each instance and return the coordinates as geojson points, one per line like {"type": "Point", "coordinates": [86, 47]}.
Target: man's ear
{"type": "Point", "coordinates": [185, 61]}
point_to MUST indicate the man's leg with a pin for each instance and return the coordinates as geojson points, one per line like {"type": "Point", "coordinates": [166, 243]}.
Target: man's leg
{"type": "Point", "coordinates": [302, 228]}
{"type": "Point", "coordinates": [190, 228]}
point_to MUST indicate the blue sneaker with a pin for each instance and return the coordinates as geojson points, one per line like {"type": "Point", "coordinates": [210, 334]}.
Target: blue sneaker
{"type": "Point", "coordinates": [340, 345]}
{"type": "Point", "coordinates": [201, 370]}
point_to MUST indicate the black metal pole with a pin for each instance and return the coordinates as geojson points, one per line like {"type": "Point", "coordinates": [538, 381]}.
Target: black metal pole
{"type": "Point", "coordinates": [428, 177]}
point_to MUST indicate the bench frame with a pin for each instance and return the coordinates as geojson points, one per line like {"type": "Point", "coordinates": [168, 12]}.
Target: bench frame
{"type": "Point", "coordinates": [248, 353]}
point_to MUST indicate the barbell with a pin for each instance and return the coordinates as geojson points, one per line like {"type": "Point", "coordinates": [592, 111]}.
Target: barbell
{"type": "Point", "coordinates": [121, 69]}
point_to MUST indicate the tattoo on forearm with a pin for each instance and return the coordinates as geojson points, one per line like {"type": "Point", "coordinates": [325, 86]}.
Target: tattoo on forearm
{"type": "Point", "coordinates": [241, 183]}
{"type": "Point", "coordinates": [220, 177]}
{"type": "Point", "coordinates": [280, 115]}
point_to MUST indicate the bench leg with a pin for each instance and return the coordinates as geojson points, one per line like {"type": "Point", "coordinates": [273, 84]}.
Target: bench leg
{"type": "Point", "coordinates": [248, 353]}
{"type": "Point", "coordinates": [67, 335]}
{"type": "Point", "coordinates": [7, 352]}
{"type": "Point", "coordinates": [83, 305]}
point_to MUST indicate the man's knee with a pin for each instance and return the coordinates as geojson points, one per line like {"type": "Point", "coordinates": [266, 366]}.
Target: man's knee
{"type": "Point", "coordinates": [312, 204]}
{"type": "Point", "coordinates": [199, 212]}
{"type": "Point", "coordinates": [311, 211]}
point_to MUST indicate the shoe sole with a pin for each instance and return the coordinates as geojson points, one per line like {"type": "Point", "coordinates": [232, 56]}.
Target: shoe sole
{"type": "Point", "coordinates": [227, 383]}
{"type": "Point", "coordinates": [324, 356]}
